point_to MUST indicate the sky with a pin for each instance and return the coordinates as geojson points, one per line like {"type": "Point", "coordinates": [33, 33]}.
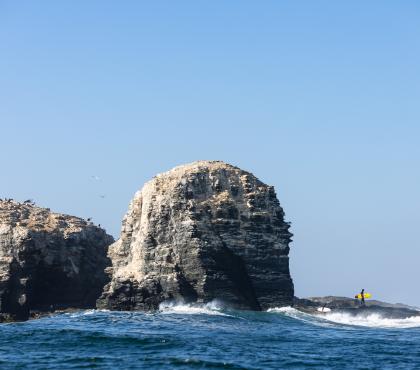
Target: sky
{"type": "Point", "coordinates": [319, 99]}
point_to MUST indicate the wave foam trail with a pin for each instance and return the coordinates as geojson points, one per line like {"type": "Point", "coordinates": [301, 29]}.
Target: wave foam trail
{"type": "Point", "coordinates": [287, 309]}
{"type": "Point", "coordinates": [210, 308]}
{"type": "Point", "coordinates": [372, 320]}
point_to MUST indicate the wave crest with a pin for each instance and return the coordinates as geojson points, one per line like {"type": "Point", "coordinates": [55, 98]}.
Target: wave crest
{"type": "Point", "coordinates": [372, 320]}
{"type": "Point", "coordinates": [210, 308]}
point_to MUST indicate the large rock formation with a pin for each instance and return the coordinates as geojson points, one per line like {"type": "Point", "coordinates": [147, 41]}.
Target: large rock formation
{"type": "Point", "coordinates": [48, 260]}
{"type": "Point", "coordinates": [199, 232]}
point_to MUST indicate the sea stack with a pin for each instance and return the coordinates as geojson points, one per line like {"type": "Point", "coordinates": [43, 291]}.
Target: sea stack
{"type": "Point", "coordinates": [201, 232]}
{"type": "Point", "coordinates": [48, 261]}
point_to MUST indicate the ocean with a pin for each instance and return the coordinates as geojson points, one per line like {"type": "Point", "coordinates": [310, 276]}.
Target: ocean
{"type": "Point", "coordinates": [210, 337]}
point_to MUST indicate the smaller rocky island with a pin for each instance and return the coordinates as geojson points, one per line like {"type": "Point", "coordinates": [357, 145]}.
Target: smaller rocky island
{"type": "Point", "coordinates": [48, 261]}
{"type": "Point", "coordinates": [353, 307]}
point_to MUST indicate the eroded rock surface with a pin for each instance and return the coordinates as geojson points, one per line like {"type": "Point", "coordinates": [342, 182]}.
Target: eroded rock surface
{"type": "Point", "coordinates": [202, 231]}
{"type": "Point", "coordinates": [48, 260]}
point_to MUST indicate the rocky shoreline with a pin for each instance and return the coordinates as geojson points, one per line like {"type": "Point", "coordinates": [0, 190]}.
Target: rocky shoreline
{"type": "Point", "coordinates": [317, 305]}
{"type": "Point", "coordinates": [308, 305]}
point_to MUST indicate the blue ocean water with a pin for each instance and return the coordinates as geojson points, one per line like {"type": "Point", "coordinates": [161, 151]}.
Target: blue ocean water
{"type": "Point", "coordinates": [208, 337]}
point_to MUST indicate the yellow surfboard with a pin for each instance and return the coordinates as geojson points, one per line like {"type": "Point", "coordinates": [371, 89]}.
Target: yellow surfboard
{"type": "Point", "coordinates": [366, 295]}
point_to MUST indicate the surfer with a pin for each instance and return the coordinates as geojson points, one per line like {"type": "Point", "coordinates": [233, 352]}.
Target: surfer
{"type": "Point", "coordinates": [362, 297]}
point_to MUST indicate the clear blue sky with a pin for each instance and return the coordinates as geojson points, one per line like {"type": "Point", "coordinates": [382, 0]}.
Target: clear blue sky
{"type": "Point", "coordinates": [319, 98]}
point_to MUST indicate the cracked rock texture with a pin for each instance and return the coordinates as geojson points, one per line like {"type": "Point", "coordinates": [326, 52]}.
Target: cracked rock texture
{"type": "Point", "coordinates": [48, 261]}
{"type": "Point", "coordinates": [202, 231]}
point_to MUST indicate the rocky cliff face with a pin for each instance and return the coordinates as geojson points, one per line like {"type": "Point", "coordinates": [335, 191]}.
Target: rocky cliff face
{"type": "Point", "coordinates": [48, 260]}
{"type": "Point", "coordinates": [199, 232]}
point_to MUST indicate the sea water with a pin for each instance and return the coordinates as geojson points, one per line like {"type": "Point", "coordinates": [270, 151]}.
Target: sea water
{"type": "Point", "coordinates": [210, 337]}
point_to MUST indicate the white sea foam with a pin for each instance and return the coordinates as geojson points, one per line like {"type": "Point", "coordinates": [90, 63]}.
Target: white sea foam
{"type": "Point", "coordinates": [323, 309]}
{"type": "Point", "coordinates": [298, 315]}
{"type": "Point", "coordinates": [88, 312]}
{"type": "Point", "coordinates": [372, 320]}
{"type": "Point", "coordinates": [286, 309]}
{"type": "Point", "coordinates": [85, 312]}
{"type": "Point", "coordinates": [210, 308]}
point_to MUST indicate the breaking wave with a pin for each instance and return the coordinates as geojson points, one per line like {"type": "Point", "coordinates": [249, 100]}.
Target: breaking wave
{"type": "Point", "coordinates": [212, 335]}
{"type": "Point", "coordinates": [210, 308]}
{"type": "Point", "coordinates": [372, 320]}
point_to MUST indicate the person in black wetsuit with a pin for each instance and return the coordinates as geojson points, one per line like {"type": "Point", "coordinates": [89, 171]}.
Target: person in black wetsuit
{"type": "Point", "coordinates": [362, 299]}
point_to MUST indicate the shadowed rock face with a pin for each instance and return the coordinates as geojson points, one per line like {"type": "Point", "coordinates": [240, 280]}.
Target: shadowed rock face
{"type": "Point", "coordinates": [48, 261]}
{"type": "Point", "coordinates": [200, 232]}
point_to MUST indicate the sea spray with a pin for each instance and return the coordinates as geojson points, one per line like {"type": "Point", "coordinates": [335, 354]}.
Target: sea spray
{"type": "Point", "coordinates": [373, 320]}
{"type": "Point", "coordinates": [214, 307]}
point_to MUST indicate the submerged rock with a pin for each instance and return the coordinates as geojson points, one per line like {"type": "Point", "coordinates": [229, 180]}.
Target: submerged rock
{"type": "Point", "coordinates": [48, 261]}
{"type": "Point", "coordinates": [202, 231]}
